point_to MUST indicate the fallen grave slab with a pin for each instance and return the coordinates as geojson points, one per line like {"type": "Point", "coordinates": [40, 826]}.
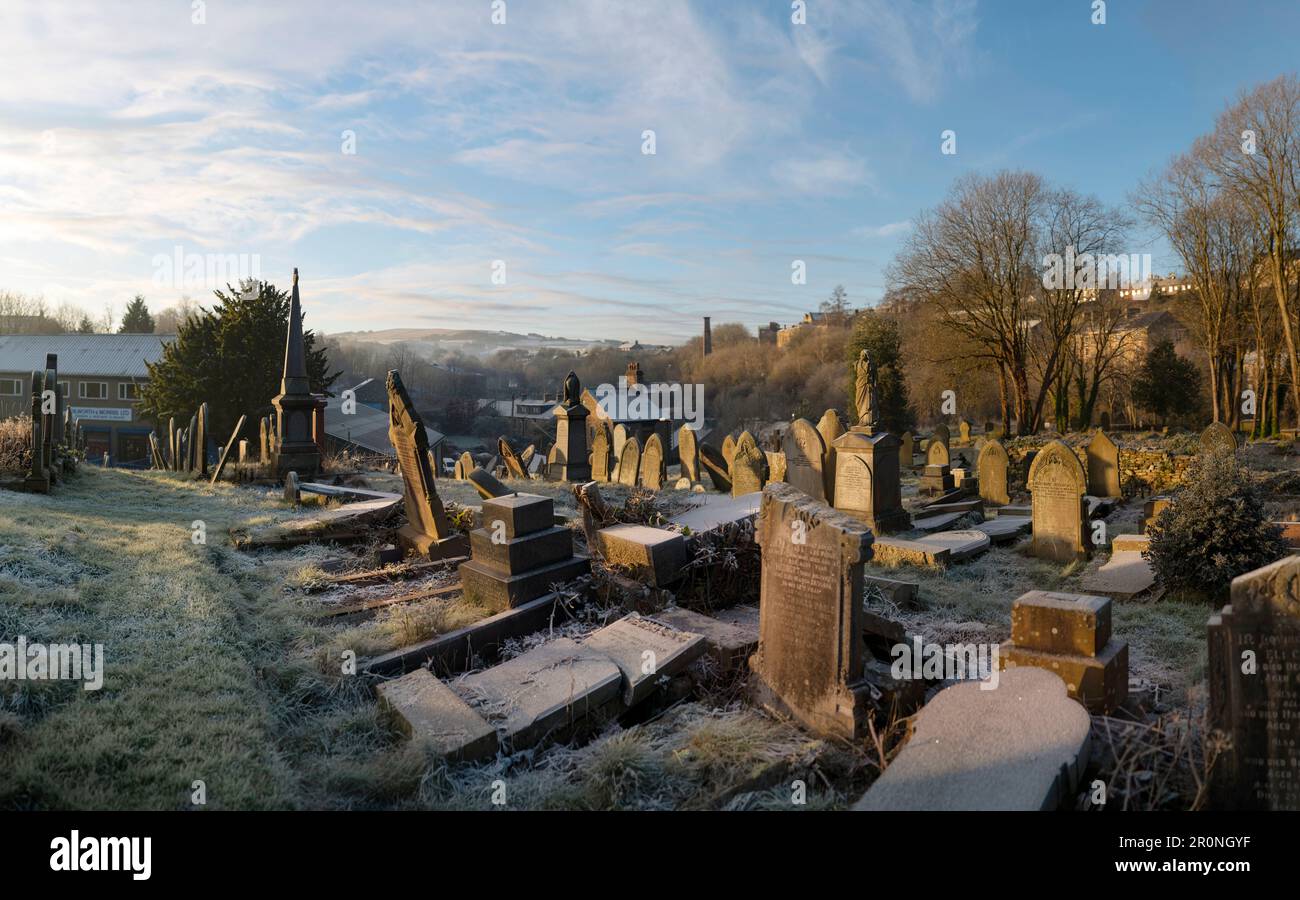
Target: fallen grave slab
{"type": "Point", "coordinates": [715, 510]}
{"type": "Point", "coordinates": [645, 650]}
{"type": "Point", "coordinates": [1019, 512]}
{"type": "Point", "coordinates": [546, 690]}
{"type": "Point", "coordinates": [351, 522]}
{"type": "Point", "coordinates": [896, 551]}
{"type": "Point", "coordinates": [729, 643]}
{"type": "Point", "coordinates": [959, 544]}
{"type": "Point", "coordinates": [1137, 542]}
{"type": "Point", "coordinates": [937, 523]}
{"type": "Point", "coordinates": [1004, 529]}
{"type": "Point", "coordinates": [453, 652]}
{"type": "Point", "coordinates": [342, 492]}
{"type": "Point", "coordinates": [900, 593]}
{"type": "Point", "coordinates": [360, 606]}
{"type": "Point", "coordinates": [1125, 575]}
{"type": "Point", "coordinates": [1020, 746]}
{"type": "Point", "coordinates": [430, 712]}
{"type": "Point", "coordinates": [654, 555]}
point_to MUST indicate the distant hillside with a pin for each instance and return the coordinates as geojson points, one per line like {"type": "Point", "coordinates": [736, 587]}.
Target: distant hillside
{"type": "Point", "coordinates": [476, 343]}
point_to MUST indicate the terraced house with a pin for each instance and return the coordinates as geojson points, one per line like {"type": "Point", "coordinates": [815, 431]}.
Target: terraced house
{"type": "Point", "coordinates": [101, 376]}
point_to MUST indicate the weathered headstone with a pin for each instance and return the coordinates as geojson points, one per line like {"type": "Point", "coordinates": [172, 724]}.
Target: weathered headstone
{"type": "Point", "coordinates": [1103, 466]}
{"type": "Point", "coordinates": [427, 530]}
{"type": "Point", "coordinates": [728, 448]}
{"type": "Point", "coordinates": [507, 454]}
{"type": "Point", "coordinates": [1254, 684]}
{"type": "Point", "coordinates": [620, 438]}
{"type": "Point", "coordinates": [776, 465]}
{"type": "Point", "coordinates": [1057, 487]}
{"type": "Point", "coordinates": [748, 467]}
{"type": "Point", "coordinates": [963, 431]}
{"type": "Point", "coordinates": [264, 440]}
{"type": "Point", "coordinates": [600, 452]}
{"type": "Point", "coordinates": [571, 459]}
{"type": "Point", "coordinates": [829, 427]}
{"type": "Point", "coordinates": [688, 453]}
{"type": "Point", "coordinates": [487, 484]}
{"type": "Point", "coordinates": [938, 476]}
{"type": "Point", "coordinates": [907, 450]}
{"type": "Point", "coordinates": [805, 452]}
{"type": "Point", "coordinates": [943, 436]}
{"type": "Point", "coordinates": [1218, 437]}
{"type": "Point", "coordinates": [201, 441]}
{"type": "Point", "coordinates": [867, 477]}
{"type": "Point", "coordinates": [653, 467]}
{"type": "Point", "coordinates": [993, 465]}
{"type": "Point", "coordinates": [629, 463]}
{"type": "Point", "coordinates": [810, 661]}
{"type": "Point", "coordinates": [464, 465]}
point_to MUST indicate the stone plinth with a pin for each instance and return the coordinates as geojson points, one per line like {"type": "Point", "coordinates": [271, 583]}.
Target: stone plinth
{"type": "Point", "coordinates": [867, 480]}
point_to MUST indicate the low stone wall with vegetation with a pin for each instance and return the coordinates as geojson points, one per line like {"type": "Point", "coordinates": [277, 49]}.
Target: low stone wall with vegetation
{"type": "Point", "coordinates": [1144, 469]}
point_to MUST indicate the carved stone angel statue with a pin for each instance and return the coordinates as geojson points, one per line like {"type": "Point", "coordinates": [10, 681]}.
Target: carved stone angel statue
{"type": "Point", "coordinates": [865, 391]}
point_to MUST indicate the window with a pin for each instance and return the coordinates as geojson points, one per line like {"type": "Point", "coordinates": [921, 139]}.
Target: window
{"type": "Point", "coordinates": [126, 391]}
{"type": "Point", "coordinates": [92, 390]}
{"type": "Point", "coordinates": [11, 387]}
{"type": "Point", "coordinates": [63, 389]}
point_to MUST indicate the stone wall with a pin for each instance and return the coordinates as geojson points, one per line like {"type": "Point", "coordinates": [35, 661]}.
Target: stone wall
{"type": "Point", "coordinates": [1143, 470]}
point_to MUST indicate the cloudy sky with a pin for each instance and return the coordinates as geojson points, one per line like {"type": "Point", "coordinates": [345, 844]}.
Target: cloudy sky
{"type": "Point", "coordinates": [128, 130]}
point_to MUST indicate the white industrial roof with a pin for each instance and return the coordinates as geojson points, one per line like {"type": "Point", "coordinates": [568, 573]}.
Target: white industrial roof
{"type": "Point", "coordinates": [110, 355]}
{"type": "Point", "coordinates": [367, 427]}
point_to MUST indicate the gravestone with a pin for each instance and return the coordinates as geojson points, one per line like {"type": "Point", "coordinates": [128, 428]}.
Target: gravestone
{"type": "Point", "coordinates": [907, 450]}
{"type": "Point", "coordinates": [295, 448]}
{"type": "Point", "coordinates": [487, 484]}
{"type": "Point", "coordinates": [513, 466]}
{"type": "Point", "coordinates": [1254, 684]}
{"type": "Point", "coordinates": [716, 466]}
{"type": "Point", "coordinates": [728, 448]}
{"type": "Point", "coordinates": [992, 466]}
{"type": "Point", "coordinates": [867, 484]}
{"type": "Point", "coordinates": [805, 452]}
{"type": "Point", "coordinates": [201, 441]}
{"type": "Point", "coordinates": [1218, 437]}
{"type": "Point", "coordinates": [830, 428]}
{"type": "Point", "coordinates": [629, 462]}
{"type": "Point", "coordinates": [572, 462]}
{"type": "Point", "coordinates": [688, 454]}
{"type": "Point", "coordinates": [938, 476]}
{"type": "Point", "coordinates": [225, 453]}
{"type": "Point", "coordinates": [38, 476]}
{"type": "Point", "coordinates": [943, 436]}
{"type": "Point", "coordinates": [263, 435]}
{"type": "Point", "coordinates": [938, 454]}
{"type": "Point", "coordinates": [427, 530]}
{"type": "Point", "coordinates": [600, 452]}
{"type": "Point", "coordinates": [747, 470]}
{"type": "Point", "coordinates": [963, 431]}
{"type": "Point", "coordinates": [620, 438]}
{"type": "Point", "coordinates": [653, 468]}
{"type": "Point", "coordinates": [1103, 466]}
{"type": "Point", "coordinates": [1057, 485]}
{"type": "Point", "coordinates": [518, 553]}
{"type": "Point", "coordinates": [810, 661]}
{"type": "Point", "coordinates": [776, 465]}
{"type": "Point", "coordinates": [464, 465]}
{"type": "Point", "coordinates": [190, 437]}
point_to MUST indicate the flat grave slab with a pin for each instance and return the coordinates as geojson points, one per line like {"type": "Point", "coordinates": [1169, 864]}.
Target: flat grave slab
{"type": "Point", "coordinates": [1124, 576]}
{"type": "Point", "coordinates": [646, 650]}
{"type": "Point", "coordinates": [1020, 746]}
{"type": "Point", "coordinates": [548, 689]}
{"type": "Point", "coordinates": [430, 712]}
{"type": "Point", "coordinates": [960, 545]}
{"type": "Point", "coordinates": [1003, 529]}
{"type": "Point", "coordinates": [729, 642]}
{"type": "Point", "coordinates": [713, 510]}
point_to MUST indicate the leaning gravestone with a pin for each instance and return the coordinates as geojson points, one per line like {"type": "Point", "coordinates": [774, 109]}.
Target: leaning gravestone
{"type": "Point", "coordinates": [748, 467]}
{"type": "Point", "coordinates": [776, 465]}
{"type": "Point", "coordinates": [688, 453]}
{"type": "Point", "coordinates": [1218, 437]}
{"type": "Point", "coordinates": [653, 468]}
{"type": "Point", "coordinates": [728, 448]}
{"type": "Point", "coordinates": [427, 531]}
{"type": "Point", "coordinates": [629, 462]}
{"type": "Point", "coordinates": [1057, 487]}
{"type": "Point", "coordinates": [1254, 681]}
{"type": "Point", "coordinates": [805, 452]}
{"type": "Point", "coordinates": [600, 458]}
{"type": "Point", "coordinates": [716, 466]}
{"type": "Point", "coordinates": [507, 453]}
{"type": "Point", "coordinates": [225, 454]}
{"type": "Point", "coordinates": [830, 427]}
{"type": "Point", "coordinates": [1103, 466]}
{"type": "Point", "coordinates": [992, 466]}
{"type": "Point", "coordinates": [810, 663]}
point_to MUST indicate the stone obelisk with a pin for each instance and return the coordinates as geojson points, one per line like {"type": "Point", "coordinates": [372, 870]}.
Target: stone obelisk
{"type": "Point", "coordinates": [297, 452]}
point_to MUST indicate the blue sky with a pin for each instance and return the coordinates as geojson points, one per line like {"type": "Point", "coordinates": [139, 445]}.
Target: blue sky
{"type": "Point", "coordinates": [132, 130]}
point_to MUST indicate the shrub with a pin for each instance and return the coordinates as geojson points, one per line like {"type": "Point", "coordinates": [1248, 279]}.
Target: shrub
{"type": "Point", "coordinates": [1214, 530]}
{"type": "Point", "coordinates": [16, 444]}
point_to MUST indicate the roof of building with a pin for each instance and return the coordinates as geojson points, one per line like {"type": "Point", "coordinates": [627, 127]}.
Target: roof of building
{"type": "Point", "coordinates": [109, 355]}
{"type": "Point", "coordinates": [367, 427]}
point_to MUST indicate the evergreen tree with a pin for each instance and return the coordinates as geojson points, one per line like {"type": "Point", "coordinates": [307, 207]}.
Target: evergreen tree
{"type": "Point", "coordinates": [1166, 385]}
{"type": "Point", "coordinates": [231, 357]}
{"type": "Point", "coordinates": [879, 335]}
{"type": "Point", "coordinates": [85, 326]}
{"type": "Point", "coordinates": [136, 319]}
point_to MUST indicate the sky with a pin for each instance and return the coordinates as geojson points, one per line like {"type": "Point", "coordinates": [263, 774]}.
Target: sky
{"type": "Point", "coordinates": [426, 167]}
